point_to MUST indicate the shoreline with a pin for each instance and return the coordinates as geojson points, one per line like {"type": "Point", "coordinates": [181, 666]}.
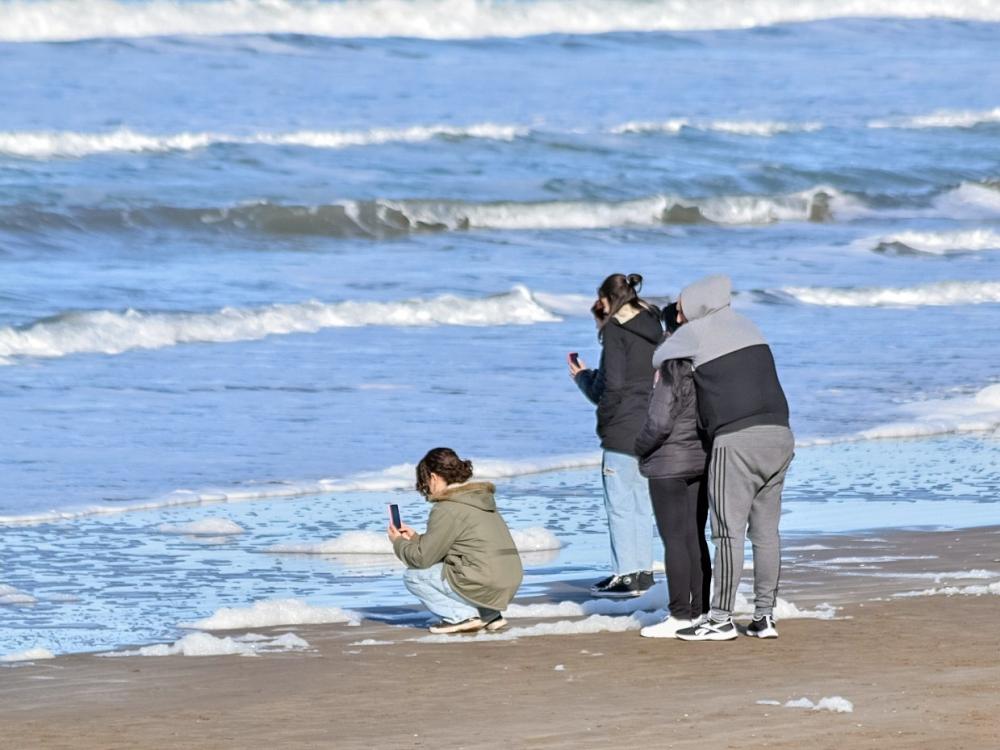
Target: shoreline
{"type": "Point", "coordinates": [919, 670]}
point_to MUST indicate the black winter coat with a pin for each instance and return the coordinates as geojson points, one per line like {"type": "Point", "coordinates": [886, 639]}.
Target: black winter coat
{"type": "Point", "coordinates": [621, 385]}
{"type": "Point", "coordinates": [669, 443]}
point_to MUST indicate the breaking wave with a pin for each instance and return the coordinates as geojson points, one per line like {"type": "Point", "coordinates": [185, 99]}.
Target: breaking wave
{"type": "Point", "coordinates": [111, 332]}
{"type": "Point", "coordinates": [762, 128]}
{"type": "Point", "coordinates": [393, 478]}
{"type": "Point", "coordinates": [382, 219]}
{"type": "Point", "coordinates": [941, 119]}
{"type": "Point", "coordinates": [51, 20]}
{"type": "Point", "coordinates": [936, 243]}
{"type": "Point", "coordinates": [48, 144]}
{"type": "Point", "coordinates": [938, 294]}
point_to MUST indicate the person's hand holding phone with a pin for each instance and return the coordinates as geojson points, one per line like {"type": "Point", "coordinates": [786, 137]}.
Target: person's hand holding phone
{"type": "Point", "coordinates": [576, 365]}
{"type": "Point", "coordinates": [403, 531]}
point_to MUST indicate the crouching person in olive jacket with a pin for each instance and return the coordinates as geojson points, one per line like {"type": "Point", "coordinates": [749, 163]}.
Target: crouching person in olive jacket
{"type": "Point", "coordinates": [465, 567]}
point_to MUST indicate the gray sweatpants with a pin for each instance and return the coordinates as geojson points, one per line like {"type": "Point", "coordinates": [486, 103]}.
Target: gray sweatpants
{"type": "Point", "coordinates": [745, 477]}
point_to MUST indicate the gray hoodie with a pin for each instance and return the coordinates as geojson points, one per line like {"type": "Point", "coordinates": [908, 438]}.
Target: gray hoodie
{"type": "Point", "coordinates": [735, 376]}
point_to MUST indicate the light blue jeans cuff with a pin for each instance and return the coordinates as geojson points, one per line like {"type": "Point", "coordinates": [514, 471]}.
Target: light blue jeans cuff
{"type": "Point", "coordinates": [432, 589]}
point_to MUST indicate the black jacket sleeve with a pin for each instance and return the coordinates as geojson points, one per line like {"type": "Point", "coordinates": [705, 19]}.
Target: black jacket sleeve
{"type": "Point", "coordinates": [591, 383]}
{"type": "Point", "coordinates": [660, 416]}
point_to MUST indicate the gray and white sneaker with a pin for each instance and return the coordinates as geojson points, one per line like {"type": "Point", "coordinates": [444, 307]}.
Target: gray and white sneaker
{"type": "Point", "coordinates": [709, 630]}
{"type": "Point", "coordinates": [762, 628]}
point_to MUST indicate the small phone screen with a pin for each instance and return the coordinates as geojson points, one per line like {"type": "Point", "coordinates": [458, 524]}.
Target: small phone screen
{"type": "Point", "coordinates": [394, 516]}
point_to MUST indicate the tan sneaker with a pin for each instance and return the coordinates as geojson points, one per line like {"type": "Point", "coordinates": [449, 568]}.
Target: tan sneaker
{"type": "Point", "coordinates": [470, 625]}
{"type": "Point", "coordinates": [497, 623]}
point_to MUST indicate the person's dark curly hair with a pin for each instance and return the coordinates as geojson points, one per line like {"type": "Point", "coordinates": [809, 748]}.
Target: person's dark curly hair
{"type": "Point", "coordinates": [446, 464]}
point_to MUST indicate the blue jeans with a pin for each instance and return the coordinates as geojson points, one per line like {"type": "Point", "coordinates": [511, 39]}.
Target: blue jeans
{"type": "Point", "coordinates": [630, 513]}
{"type": "Point", "coordinates": [432, 589]}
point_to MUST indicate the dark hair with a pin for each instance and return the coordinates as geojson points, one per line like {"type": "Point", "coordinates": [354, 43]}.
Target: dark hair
{"type": "Point", "coordinates": [446, 464]}
{"type": "Point", "coordinates": [621, 290]}
{"type": "Point", "coordinates": [669, 316]}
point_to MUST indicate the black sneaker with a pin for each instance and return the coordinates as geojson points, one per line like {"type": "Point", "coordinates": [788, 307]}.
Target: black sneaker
{"type": "Point", "coordinates": [621, 587]}
{"type": "Point", "coordinates": [710, 630]}
{"type": "Point", "coordinates": [645, 580]}
{"type": "Point", "coordinates": [601, 584]}
{"type": "Point", "coordinates": [762, 628]}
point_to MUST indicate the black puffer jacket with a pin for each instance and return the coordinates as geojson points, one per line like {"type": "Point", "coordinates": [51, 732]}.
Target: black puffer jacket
{"type": "Point", "coordinates": [669, 443]}
{"type": "Point", "coordinates": [621, 385]}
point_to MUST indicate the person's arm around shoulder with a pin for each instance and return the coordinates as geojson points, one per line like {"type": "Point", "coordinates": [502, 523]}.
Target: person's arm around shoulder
{"type": "Point", "coordinates": [431, 547]}
{"type": "Point", "coordinates": [683, 344]}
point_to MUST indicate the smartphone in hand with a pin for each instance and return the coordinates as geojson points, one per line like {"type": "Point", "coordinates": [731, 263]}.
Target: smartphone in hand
{"type": "Point", "coordinates": [573, 358]}
{"type": "Point", "coordinates": [394, 516]}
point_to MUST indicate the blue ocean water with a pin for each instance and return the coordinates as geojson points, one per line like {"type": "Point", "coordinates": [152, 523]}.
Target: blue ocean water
{"type": "Point", "coordinates": [238, 259]}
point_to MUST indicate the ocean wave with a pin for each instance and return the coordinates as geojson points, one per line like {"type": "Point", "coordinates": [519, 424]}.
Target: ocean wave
{"type": "Point", "coordinates": [970, 200]}
{"type": "Point", "coordinates": [935, 243]}
{"type": "Point", "coordinates": [941, 119]}
{"type": "Point", "coordinates": [387, 219]}
{"type": "Point", "coordinates": [392, 479]}
{"type": "Point", "coordinates": [48, 144]}
{"type": "Point", "coordinates": [942, 293]}
{"type": "Point", "coordinates": [761, 128]}
{"type": "Point", "coordinates": [60, 20]}
{"type": "Point", "coordinates": [372, 543]}
{"type": "Point", "coordinates": [111, 332]}
{"type": "Point", "coordinates": [976, 413]}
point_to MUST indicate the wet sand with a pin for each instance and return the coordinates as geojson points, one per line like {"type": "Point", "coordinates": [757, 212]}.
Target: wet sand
{"type": "Point", "coordinates": [921, 672]}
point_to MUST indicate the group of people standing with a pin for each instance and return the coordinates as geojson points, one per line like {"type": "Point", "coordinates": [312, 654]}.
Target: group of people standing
{"type": "Point", "coordinates": [693, 422]}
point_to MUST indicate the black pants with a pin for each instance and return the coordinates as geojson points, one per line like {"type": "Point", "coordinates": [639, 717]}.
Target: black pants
{"type": "Point", "coordinates": [681, 509]}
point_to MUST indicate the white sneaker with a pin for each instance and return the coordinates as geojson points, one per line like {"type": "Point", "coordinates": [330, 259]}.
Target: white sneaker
{"type": "Point", "coordinates": [666, 629]}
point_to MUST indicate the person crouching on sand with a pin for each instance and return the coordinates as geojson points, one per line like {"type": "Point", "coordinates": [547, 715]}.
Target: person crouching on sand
{"type": "Point", "coordinates": [465, 568]}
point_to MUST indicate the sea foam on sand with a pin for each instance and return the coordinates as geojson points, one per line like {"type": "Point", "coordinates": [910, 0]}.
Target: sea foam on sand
{"type": "Point", "coordinates": [32, 654]}
{"type": "Point", "coordinates": [652, 601]}
{"type": "Point", "coordinates": [204, 644]}
{"type": "Point", "coordinates": [10, 595]}
{"type": "Point", "coordinates": [975, 590]}
{"type": "Point", "coordinates": [271, 612]}
{"type": "Point", "coordinates": [836, 704]}
{"type": "Point", "coordinates": [206, 526]}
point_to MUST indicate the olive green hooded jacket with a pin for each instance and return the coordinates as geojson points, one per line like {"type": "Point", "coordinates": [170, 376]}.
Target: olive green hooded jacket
{"type": "Point", "coordinates": [467, 533]}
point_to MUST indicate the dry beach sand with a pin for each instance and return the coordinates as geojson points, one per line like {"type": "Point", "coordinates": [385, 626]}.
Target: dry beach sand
{"type": "Point", "coordinates": [920, 671]}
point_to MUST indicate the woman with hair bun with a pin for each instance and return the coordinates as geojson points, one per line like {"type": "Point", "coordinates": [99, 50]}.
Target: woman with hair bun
{"type": "Point", "coordinates": [465, 568]}
{"type": "Point", "coordinates": [629, 330]}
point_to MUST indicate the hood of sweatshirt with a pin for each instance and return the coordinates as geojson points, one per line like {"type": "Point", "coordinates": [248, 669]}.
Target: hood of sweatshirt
{"type": "Point", "coordinates": [706, 296]}
{"type": "Point", "coordinates": [474, 494]}
{"type": "Point", "coordinates": [646, 324]}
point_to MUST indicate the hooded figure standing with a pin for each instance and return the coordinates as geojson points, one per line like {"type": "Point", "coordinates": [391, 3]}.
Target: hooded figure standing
{"type": "Point", "coordinates": [743, 410]}
{"type": "Point", "coordinates": [629, 330]}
